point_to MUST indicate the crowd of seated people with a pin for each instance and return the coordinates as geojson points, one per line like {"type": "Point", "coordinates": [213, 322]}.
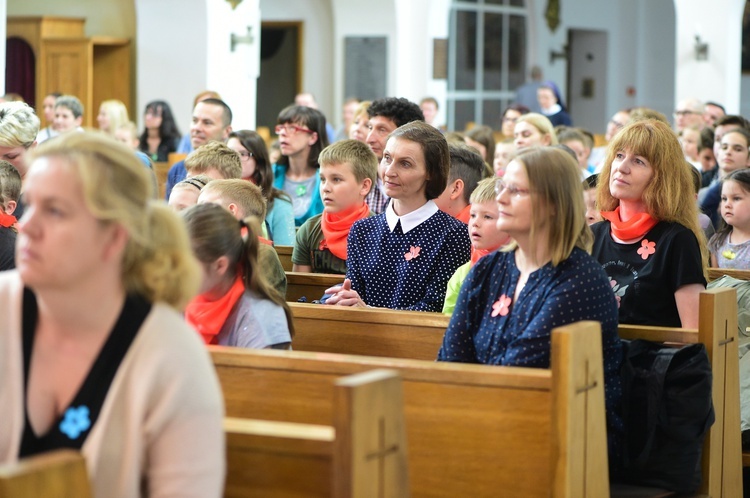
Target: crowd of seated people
{"type": "Point", "coordinates": [512, 232]}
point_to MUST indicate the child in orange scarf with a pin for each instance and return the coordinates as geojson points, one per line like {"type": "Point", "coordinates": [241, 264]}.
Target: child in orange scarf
{"type": "Point", "coordinates": [348, 169]}
{"type": "Point", "coordinates": [10, 189]}
{"type": "Point", "coordinates": [236, 305]}
{"type": "Point", "coordinates": [485, 237]}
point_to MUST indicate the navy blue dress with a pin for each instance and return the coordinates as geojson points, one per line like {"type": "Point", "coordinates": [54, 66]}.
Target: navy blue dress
{"type": "Point", "coordinates": [410, 270]}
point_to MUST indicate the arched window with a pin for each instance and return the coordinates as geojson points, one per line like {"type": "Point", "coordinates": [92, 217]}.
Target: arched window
{"type": "Point", "coordinates": [487, 59]}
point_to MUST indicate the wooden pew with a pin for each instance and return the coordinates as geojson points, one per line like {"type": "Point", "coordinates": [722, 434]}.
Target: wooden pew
{"type": "Point", "coordinates": [362, 454]}
{"type": "Point", "coordinates": [368, 331]}
{"type": "Point", "coordinates": [714, 274]}
{"type": "Point", "coordinates": [57, 474]}
{"type": "Point", "coordinates": [348, 331]}
{"type": "Point", "coordinates": [310, 285]}
{"type": "Point", "coordinates": [285, 255]}
{"type": "Point", "coordinates": [473, 430]}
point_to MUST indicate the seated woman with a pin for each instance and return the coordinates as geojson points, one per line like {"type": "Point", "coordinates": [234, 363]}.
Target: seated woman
{"type": "Point", "coordinates": [236, 305]}
{"type": "Point", "coordinates": [257, 168]}
{"type": "Point", "coordinates": [93, 354]}
{"type": "Point", "coordinates": [510, 116]}
{"type": "Point", "coordinates": [650, 243]}
{"type": "Point", "coordinates": [161, 135]}
{"type": "Point", "coordinates": [512, 299]}
{"type": "Point", "coordinates": [112, 115]}
{"type": "Point", "coordinates": [302, 135]}
{"type": "Point", "coordinates": [533, 130]}
{"type": "Point", "coordinates": [404, 257]}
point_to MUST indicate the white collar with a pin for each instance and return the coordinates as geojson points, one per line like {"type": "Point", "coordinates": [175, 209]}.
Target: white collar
{"type": "Point", "coordinates": [410, 220]}
{"type": "Point", "coordinates": [552, 110]}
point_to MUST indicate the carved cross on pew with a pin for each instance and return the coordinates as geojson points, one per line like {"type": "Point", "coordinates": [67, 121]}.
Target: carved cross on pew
{"type": "Point", "coordinates": [381, 454]}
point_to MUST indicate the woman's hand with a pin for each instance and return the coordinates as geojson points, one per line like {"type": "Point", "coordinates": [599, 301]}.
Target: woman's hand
{"type": "Point", "coordinates": [343, 295]}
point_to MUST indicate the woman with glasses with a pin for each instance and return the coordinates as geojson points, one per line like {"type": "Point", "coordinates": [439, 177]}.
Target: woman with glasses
{"type": "Point", "coordinates": [256, 168]}
{"type": "Point", "coordinates": [650, 243]}
{"type": "Point", "coordinates": [512, 299]}
{"type": "Point", "coordinates": [404, 257]}
{"type": "Point", "coordinates": [302, 135]}
{"type": "Point", "coordinates": [510, 116]}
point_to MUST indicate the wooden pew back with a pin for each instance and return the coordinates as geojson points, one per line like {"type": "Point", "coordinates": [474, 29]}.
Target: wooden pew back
{"type": "Point", "coordinates": [368, 331]}
{"type": "Point", "coordinates": [310, 285]}
{"type": "Point", "coordinates": [285, 255]}
{"type": "Point", "coordinates": [57, 474]}
{"type": "Point", "coordinates": [472, 429]}
{"type": "Point", "coordinates": [363, 454]}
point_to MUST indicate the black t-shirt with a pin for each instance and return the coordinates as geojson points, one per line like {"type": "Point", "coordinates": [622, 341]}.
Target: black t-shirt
{"type": "Point", "coordinates": [645, 275]}
{"type": "Point", "coordinates": [7, 249]}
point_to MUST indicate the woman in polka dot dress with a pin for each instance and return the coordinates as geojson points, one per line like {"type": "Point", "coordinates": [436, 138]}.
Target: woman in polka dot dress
{"type": "Point", "coordinates": [512, 299]}
{"type": "Point", "coordinates": [404, 257]}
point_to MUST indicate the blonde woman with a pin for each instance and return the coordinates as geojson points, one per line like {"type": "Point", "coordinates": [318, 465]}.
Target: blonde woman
{"type": "Point", "coordinates": [112, 115]}
{"type": "Point", "coordinates": [513, 298]}
{"type": "Point", "coordinates": [533, 130]}
{"type": "Point", "coordinates": [94, 354]}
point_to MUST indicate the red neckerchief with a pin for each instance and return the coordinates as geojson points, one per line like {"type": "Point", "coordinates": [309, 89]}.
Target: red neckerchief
{"type": "Point", "coordinates": [635, 228]}
{"type": "Point", "coordinates": [336, 228]}
{"type": "Point", "coordinates": [208, 317]}
{"type": "Point", "coordinates": [7, 220]}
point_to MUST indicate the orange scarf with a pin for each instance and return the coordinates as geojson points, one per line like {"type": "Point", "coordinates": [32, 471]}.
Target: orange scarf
{"type": "Point", "coordinates": [336, 228]}
{"type": "Point", "coordinates": [7, 220]}
{"type": "Point", "coordinates": [635, 228]}
{"type": "Point", "coordinates": [477, 254]}
{"type": "Point", "coordinates": [208, 317]}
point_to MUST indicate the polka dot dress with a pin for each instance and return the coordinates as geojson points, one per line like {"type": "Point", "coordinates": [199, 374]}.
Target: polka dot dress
{"type": "Point", "coordinates": [406, 270]}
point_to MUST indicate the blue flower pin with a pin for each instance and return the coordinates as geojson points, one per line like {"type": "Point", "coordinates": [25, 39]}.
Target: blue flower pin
{"type": "Point", "coordinates": [75, 422]}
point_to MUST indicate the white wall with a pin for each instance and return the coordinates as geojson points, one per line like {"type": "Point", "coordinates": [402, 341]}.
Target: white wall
{"type": "Point", "coordinates": [717, 78]}
{"type": "Point", "coordinates": [171, 56]}
{"type": "Point", "coordinates": [234, 73]}
{"type": "Point", "coordinates": [641, 38]}
{"type": "Point", "coordinates": [318, 67]}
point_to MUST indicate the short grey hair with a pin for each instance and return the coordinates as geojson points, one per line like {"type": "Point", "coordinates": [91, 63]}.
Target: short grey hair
{"type": "Point", "coordinates": [71, 103]}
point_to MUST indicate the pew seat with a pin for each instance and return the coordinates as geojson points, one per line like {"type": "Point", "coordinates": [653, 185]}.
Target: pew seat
{"type": "Point", "coordinates": [57, 474]}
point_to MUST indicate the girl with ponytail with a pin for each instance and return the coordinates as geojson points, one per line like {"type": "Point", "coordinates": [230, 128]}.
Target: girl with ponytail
{"type": "Point", "coordinates": [236, 305]}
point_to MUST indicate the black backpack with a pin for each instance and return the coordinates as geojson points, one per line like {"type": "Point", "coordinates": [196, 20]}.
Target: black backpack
{"type": "Point", "coordinates": [667, 410]}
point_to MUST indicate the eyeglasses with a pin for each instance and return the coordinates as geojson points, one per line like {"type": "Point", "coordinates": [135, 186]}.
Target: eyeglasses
{"type": "Point", "coordinates": [510, 120]}
{"type": "Point", "coordinates": [291, 129]}
{"type": "Point", "coordinates": [501, 186]}
{"type": "Point", "coordinates": [244, 154]}
{"type": "Point", "coordinates": [684, 113]}
{"type": "Point", "coordinates": [616, 124]}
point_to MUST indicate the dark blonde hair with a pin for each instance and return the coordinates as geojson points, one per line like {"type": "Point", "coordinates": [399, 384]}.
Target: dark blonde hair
{"type": "Point", "coordinates": [245, 194]}
{"type": "Point", "coordinates": [356, 154]}
{"type": "Point", "coordinates": [557, 197]}
{"type": "Point", "coordinates": [214, 233]}
{"type": "Point", "coordinates": [541, 123]}
{"type": "Point", "coordinates": [669, 195]}
{"type": "Point", "coordinates": [157, 262]}
{"type": "Point", "coordinates": [214, 155]}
